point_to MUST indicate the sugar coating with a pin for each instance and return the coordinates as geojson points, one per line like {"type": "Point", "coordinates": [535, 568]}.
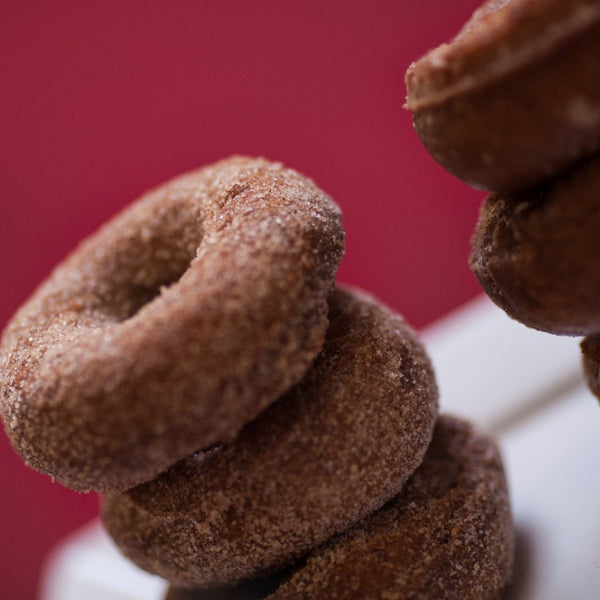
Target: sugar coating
{"type": "Point", "coordinates": [515, 96]}
{"type": "Point", "coordinates": [536, 253]}
{"type": "Point", "coordinates": [172, 326]}
{"type": "Point", "coordinates": [500, 37]}
{"type": "Point", "coordinates": [332, 450]}
{"type": "Point", "coordinates": [448, 535]}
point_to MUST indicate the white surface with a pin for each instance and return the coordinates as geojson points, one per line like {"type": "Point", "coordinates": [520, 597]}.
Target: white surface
{"type": "Point", "coordinates": [523, 385]}
{"type": "Point", "coordinates": [494, 370]}
{"type": "Point", "coordinates": [87, 566]}
{"type": "Point", "coordinates": [553, 461]}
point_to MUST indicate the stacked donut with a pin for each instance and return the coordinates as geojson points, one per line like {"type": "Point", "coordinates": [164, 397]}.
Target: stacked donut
{"type": "Point", "coordinates": [195, 363]}
{"type": "Point", "coordinates": [512, 105]}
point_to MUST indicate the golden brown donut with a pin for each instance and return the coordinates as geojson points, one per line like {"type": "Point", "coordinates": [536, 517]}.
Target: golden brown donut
{"type": "Point", "coordinates": [448, 535]}
{"type": "Point", "coordinates": [332, 450]}
{"type": "Point", "coordinates": [537, 253]}
{"type": "Point", "coordinates": [515, 97]}
{"type": "Point", "coordinates": [172, 326]}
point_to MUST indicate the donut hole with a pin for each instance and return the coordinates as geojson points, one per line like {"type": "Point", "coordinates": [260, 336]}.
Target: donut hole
{"type": "Point", "coordinates": [137, 297]}
{"type": "Point", "coordinates": [136, 289]}
{"type": "Point", "coordinates": [144, 261]}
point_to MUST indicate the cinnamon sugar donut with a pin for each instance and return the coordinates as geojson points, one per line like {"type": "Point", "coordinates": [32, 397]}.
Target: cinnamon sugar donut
{"type": "Point", "coordinates": [173, 326]}
{"type": "Point", "coordinates": [332, 450]}
{"type": "Point", "coordinates": [537, 253]}
{"type": "Point", "coordinates": [447, 535]}
{"type": "Point", "coordinates": [515, 97]}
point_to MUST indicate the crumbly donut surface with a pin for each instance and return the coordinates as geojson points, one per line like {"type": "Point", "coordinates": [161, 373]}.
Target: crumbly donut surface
{"type": "Point", "coordinates": [536, 253]}
{"type": "Point", "coordinates": [448, 535]}
{"type": "Point", "coordinates": [332, 450]}
{"type": "Point", "coordinates": [515, 97]}
{"type": "Point", "coordinates": [172, 326]}
{"type": "Point", "coordinates": [501, 37]}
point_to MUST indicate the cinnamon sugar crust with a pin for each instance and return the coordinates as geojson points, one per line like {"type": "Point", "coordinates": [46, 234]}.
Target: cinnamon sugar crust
{"type": "Point", "coordinates": [172, 326]}
{"type": "Point", "coordinates": [500, 37]}
{"type": "Point", "coordinates": [515, 97]}
{"type": "Point", "coordinates": [536, 253]}
{"type": "Point", "coordinates": [448, 535]}
{"type": "Point", "coordinates": [335, 448]}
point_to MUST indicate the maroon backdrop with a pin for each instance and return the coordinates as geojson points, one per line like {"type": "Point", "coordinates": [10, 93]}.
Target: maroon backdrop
{"type": "Point", "coordinates": [101, 100]}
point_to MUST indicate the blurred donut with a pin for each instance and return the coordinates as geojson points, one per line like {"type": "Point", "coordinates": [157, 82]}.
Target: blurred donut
{"type": "Point", "coordinates": [172, 326]}
{"type": "Point", "coordinates": [332, 450]}
{"type": "Point", "coordinates": [515, 97]}
{"type": "Point", "coordinates": [536, 253]}
{"type": "Point", "coordinates": [590, 348]}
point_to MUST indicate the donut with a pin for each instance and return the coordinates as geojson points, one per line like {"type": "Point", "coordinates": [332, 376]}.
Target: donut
{"type": "Point", "coordinates": [448, 534]}
{"type": "Point", "coordinates": [590, 348]}
{"type": "Point", "coordinates": [515, 97]}
{"type": "Point", "coordinates": [171, 327]}
{"type": "Point", "coordinates": [536, 252]}
{"type": "Point", "coordinates": [333, 449]}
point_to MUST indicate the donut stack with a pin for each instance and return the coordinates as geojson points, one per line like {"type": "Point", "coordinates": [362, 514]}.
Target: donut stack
{"type": "Point", "coordinates": [194, 362]}
{"type": "Point", "coordinates": [512, 105]}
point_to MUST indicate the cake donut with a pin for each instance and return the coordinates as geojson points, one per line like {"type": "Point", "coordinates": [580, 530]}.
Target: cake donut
{"type": "Point", "coordinates": [515, 97]}
{"type": "Point", "coordinates": [536, 253]}
{"type": "Point", "coordinates": [333, 449]}
{"type": "Point", "coordinates": [173, 326]}
{"type": "Point", "coordinates": [448, 534]}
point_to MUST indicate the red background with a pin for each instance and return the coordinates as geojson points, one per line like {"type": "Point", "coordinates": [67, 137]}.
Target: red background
{"type": "Point", "coordinates": [101, 100]}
